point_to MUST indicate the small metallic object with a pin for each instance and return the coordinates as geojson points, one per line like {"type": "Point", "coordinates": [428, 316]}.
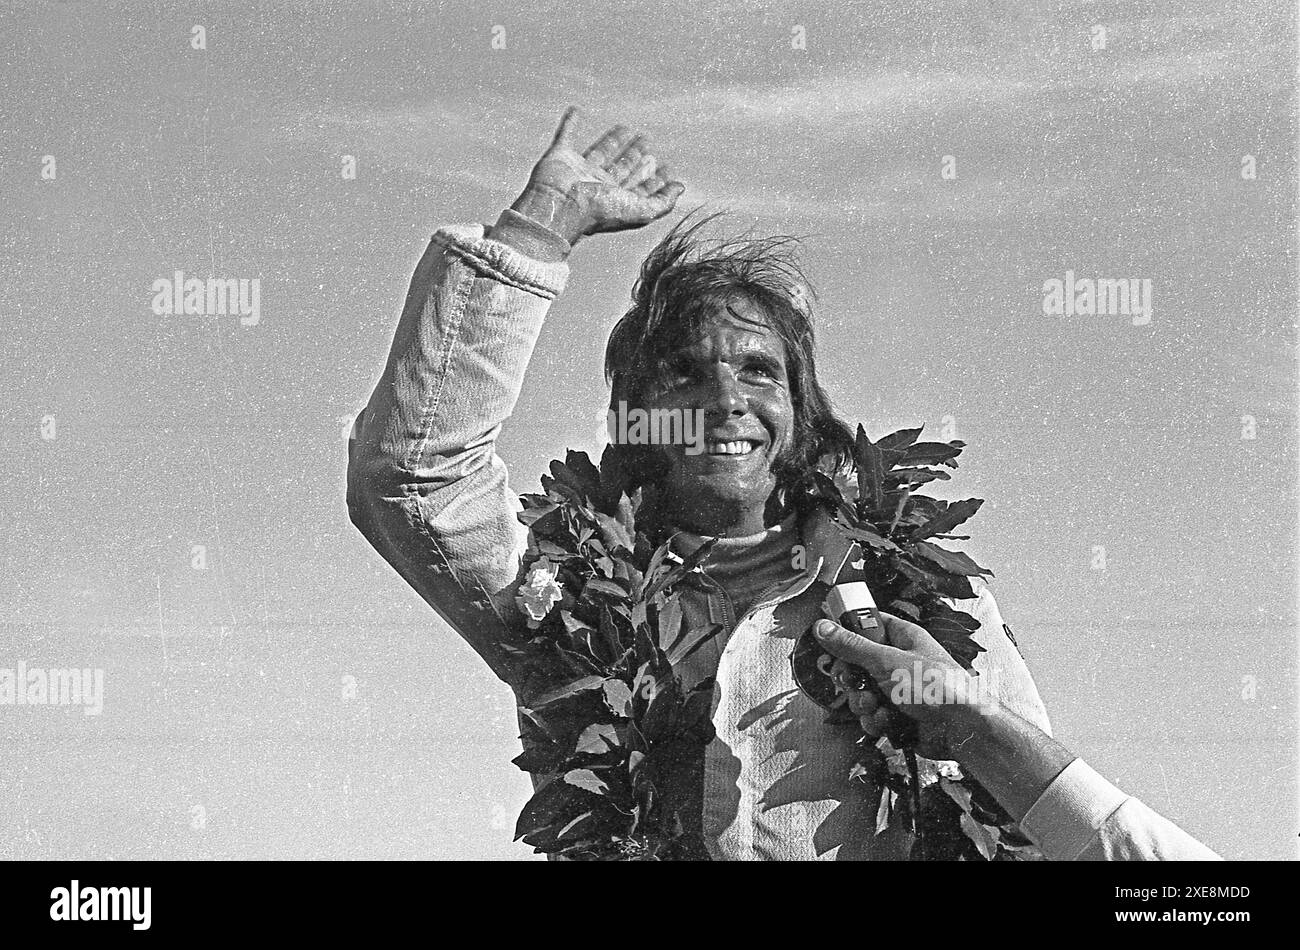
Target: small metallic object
{"type": "Point", "coordinates": [851, 605]}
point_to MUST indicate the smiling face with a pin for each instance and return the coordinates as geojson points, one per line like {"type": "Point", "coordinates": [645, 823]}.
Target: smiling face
{"type": "Point", "coordinates": [735, 372]}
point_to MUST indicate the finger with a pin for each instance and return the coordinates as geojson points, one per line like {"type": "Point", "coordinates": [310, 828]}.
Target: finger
{"type": "Point", "coordinates": [908, 636]}
{"type": "Point", "coordinates": [662, 176]}
{"type": "Point", "coordinates": [564, 133]}
{"type": "Point", "coordinates": [628, 159]}
{"type": "Point", "coordinates": [878, 659]}
{"type": "Point", "coordinates": [863, 702]}
{"type": "Point", "coordinates": [847, 676]}
{"type": "Point", "coordinates": [606, 148]}
{"type": "Point", "coordinates": [644, 171]}
{"type": "Point", "coordinates": [650, 186]}
{"type": "Point", "coordinates": [662, 201]}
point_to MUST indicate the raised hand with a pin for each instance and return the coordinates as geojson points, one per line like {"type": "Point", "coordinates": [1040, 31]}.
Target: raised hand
{"type": "Point", "coordinates": [614, 185]}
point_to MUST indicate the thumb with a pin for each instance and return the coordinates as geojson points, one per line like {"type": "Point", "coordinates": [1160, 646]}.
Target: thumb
{"type": "Point", "coordinates": [564, 133]}
{"type": "Point", "coordinates": [876, 658]}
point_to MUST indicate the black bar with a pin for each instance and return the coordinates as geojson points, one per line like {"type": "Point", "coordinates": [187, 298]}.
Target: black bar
{"type": "Point", "coordinates": [935, 902]}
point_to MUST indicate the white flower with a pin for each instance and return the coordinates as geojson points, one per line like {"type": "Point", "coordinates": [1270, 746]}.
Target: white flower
{"type": "Point", "coordinates": [950, 770]}
{"type": "Point", "coordinates": [539, 593]}
{"type": "Point", "coordinates": [930, 771]}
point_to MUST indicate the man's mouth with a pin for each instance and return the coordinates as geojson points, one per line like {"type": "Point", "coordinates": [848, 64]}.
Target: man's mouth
{"type": "Point", "coordinates": [736, 447]}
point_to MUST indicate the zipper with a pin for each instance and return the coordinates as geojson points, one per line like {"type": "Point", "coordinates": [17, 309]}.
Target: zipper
{"type": "Point", "coordinates": [796, 588]}
{"type": "Point", "coordinates": [728, 609]}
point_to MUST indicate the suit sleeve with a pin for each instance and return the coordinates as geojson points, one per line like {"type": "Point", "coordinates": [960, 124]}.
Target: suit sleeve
{"type": "Point", "coordinates": [425, 484]}
{"type": "Point", "coordinates": [1083, 817]}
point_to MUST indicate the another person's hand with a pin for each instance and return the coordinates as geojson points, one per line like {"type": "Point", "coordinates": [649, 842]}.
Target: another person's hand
{"type": "Point", "coordinates": [614, 185]}
{"type": "Point", "coordinates": [921, 680]}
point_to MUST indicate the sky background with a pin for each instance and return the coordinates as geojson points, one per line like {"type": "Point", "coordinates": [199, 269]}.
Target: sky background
{"type": "Point", "coordinates": [230, 725]}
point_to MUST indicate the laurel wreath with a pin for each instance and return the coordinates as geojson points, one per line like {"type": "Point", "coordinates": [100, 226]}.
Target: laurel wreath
{"type": "Point", "coordinates": [605, 715]}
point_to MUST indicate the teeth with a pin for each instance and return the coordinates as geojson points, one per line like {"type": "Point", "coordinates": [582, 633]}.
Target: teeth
{"type": "Point", "coordinates": [730, 448]}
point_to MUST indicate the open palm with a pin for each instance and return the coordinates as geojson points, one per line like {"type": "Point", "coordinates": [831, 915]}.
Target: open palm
{"type": "Point", "coordinates": [614, 185]}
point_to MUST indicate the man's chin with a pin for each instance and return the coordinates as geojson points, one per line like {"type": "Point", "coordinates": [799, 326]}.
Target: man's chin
{"type": "Point", "coordinates": [718, 488]}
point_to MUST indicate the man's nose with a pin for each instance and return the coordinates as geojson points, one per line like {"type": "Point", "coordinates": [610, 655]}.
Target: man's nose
{"type": "Point", "coordinates": [725, 397]}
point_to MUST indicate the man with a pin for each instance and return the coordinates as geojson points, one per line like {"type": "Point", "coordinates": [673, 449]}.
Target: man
{"type": "Point", "coordinates": [721, 331]}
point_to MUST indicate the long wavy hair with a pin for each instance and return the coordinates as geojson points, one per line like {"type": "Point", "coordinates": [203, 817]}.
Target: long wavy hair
{"type": "Point", "coordinates": [687, 279]}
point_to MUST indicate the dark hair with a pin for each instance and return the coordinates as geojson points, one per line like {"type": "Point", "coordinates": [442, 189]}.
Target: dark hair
{"type": "Point", "coordinates": [685, 280]}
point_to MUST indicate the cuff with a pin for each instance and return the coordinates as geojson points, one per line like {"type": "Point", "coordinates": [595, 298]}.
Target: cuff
{"type": "Point", "coordinates": [501, 261]}
{"type": "Point", "coordinates": [531, 237]}
{"type": "Point", "coordinates": [1069, 813]}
